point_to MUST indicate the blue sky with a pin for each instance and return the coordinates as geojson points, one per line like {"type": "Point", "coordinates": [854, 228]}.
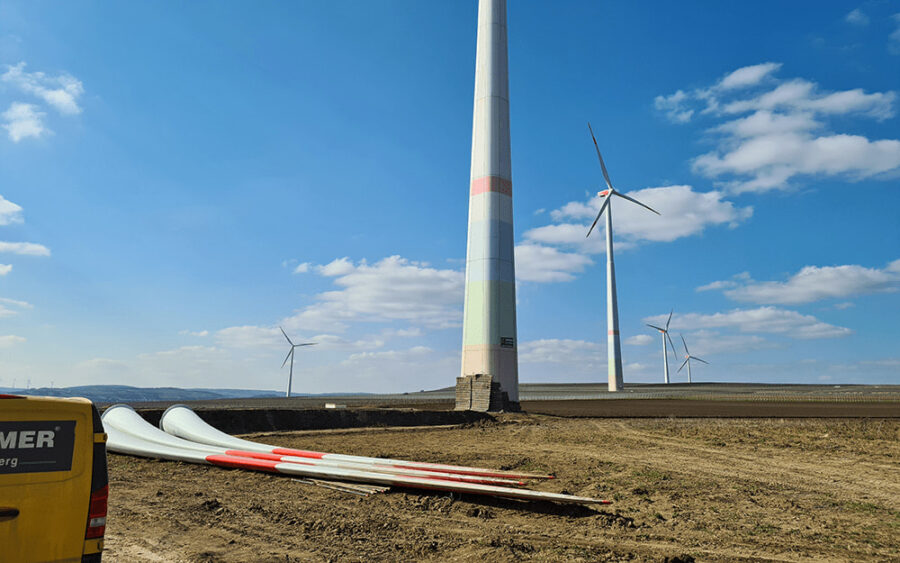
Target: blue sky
{"type": "Point", "coordinates": [179, 180]}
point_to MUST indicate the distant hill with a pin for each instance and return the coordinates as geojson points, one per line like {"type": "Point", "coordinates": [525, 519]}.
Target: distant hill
{"type": "Point", "coordinates": [125, 393]}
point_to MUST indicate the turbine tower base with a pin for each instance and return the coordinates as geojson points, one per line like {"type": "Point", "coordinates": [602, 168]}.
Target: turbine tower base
{"type": "Point", "coordinates": [481, 393]}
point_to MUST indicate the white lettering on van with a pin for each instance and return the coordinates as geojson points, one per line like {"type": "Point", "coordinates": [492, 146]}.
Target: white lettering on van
{"type": "Point", "coordinates": [45, 438]}
{"type": "Point", "coordinates": [26, 439]}
{"type": "Point", "coordinates": [9, 461]}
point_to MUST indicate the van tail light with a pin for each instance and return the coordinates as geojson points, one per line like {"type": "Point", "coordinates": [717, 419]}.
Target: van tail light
{"type": "Point", "coordinates": [96, 525]}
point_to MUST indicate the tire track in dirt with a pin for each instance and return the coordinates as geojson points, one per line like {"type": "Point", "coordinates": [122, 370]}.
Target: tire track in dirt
{"type": "Point", "coordinates": [856, 479]}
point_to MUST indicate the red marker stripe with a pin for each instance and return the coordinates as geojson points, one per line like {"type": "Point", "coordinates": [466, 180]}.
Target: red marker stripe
{"type": "Point", "coordinates": [491, 184]}
{"type": "Point", "coordinates": [298, 453]}
{"type": "Point", "coordinates": [242, 463]}
{"type": "Point", "coordinates": [259, 455]}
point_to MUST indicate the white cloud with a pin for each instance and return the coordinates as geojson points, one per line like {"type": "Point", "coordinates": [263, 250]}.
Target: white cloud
{"type": "Point", "coordinates": [194, 333]}
{"type": "Point", "coordinates": [857, 17]}
{"type": "Point", "coordinates": [703, 343]}
{"type": "Point", "coordinates": [5, 269]}
{"type": "Point", "coordinates": [61, 92]}
{"type": "Point", "coordinates": [23, 121]}
{"type": "Point", "coordinates": [784, 133]}
{"type": "Point", "coordinates": [673, 106]}
{"type": "Point", "coordinates": [747, 76]}
{"type": "Point", "coordinates": [639, 340]}
{"type": "Point", "coordinates": [392, 289]}
{"type": "Point", "coordinates": [538, 263]}
{"type": "Point", "coordinates": [561, 351]}
{"type": "Point", "coordinates": [813, 283]}
{"type": "Point", "coordinates": [683, 212]}
{"type": "Point", "coordinates": [12, 307]}
{"type": "Point", "coordinates": [10, 340]}
{"type": "Point", "coordinates": [24, 248]}
{"type": "Point", "coordinates": [302, 268]}
{"type": "Point", "coordinates": [9, 212]}
{"type": "Point", "coordinates": [761, 320]}
{"type": "Point", "coordinates": [894, 38]}
{"type": "Point", "coordinates": [254, 337]}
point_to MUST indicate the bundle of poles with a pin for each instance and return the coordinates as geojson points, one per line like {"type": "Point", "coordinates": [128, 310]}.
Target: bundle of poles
{"type": "Point", "coordinates": [184, 436]}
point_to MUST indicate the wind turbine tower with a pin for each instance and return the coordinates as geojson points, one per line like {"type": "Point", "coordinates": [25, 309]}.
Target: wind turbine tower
{"type": "Point", "coordinates": [489, 318]}
{"type": "Point", "coordinates": [291, 356]}
{"type": "Point", "coordinates": [665, 334]}
{"type": "Point", "coordinates": [614, 345]}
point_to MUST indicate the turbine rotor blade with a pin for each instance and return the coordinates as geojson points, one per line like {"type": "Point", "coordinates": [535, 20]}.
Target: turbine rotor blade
{"type": "Point", "coordinates": [686, 351]}
{"type": "Point", "coordinates": [699, 360]}
{"type": "Point", "coordinates": [305, 344]}
{"type": "Point", "coordinates": [674, 351]}
{"type": "Point", "coordinates": [686, 360]}
{"type": "Point", "coordinates": [669, 319]}
{"type": "Point", "coordinates": [285, 335]}
{"type": "Point", "coordinates": [657, 328]}
{"type": "Point", "coordinates": [287, 357]}
{"type": "Point", "coordinates": [602, 207]}
{"type": "Point", "coordinates": [602, 164]}
{"type": "Point", "coordinates": [631, 199]}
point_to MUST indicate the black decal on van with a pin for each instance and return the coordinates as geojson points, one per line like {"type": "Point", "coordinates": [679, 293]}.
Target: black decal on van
{"type": "Point", "coordinates": [36, 446]}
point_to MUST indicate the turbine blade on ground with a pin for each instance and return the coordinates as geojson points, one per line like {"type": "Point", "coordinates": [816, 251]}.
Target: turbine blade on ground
{"type": "Point", "coordinates": [602, 164]}
{"type": "Point", "coordinates": [285, 335]}
{"type": "Point", "coordinates": [631, 199]}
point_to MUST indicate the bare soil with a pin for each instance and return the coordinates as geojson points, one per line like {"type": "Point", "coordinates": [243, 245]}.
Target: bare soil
{"type": "Point", "coordinates": [684, 489]}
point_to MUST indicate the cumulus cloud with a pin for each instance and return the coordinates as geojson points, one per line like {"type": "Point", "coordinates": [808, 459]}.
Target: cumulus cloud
{"type": "Point", "coordinates": [60, 92]}
{"type": "Point", "coordinates": [10, 340]}
{"type": "Point", "coordinates": [894, 38]}
{"type": "Point", "coordinates": [639, 340]}
{"type": "Point", "coordinates": [302, 268]}
{"type": "Point", "coordinates": [674, 107]}
{"type": "Point", "coordinates": [761, 320]}
{"type": "Point", "coordinates": [392, 289]}
{"type": "Point", "coordinates": [813, 283]}
{"type": "Point", "coordinates": [775, 130]}
{"type": "Point", "coordinates": [9, 212]}
{"type": "Point", "coordinates": [561, 351]}
{"type": "Point", "coordinates": [857, 17]}
{"type": "Point", "coordinates": [538, 263]}
{"type": "Point", "coordinates": [683, 212]}
{"type": "Point", "coordinates": [22, 121]}
{"type": "Point", "coordinates": [194, 333]}
{"type": "Point", "coordinates": [24, 248]}
{"type": "Point", "coordinates": [5, 269]}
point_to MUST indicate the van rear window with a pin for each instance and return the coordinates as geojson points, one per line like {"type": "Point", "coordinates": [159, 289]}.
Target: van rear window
{"type": "Point", "coordinates": [36, 446]}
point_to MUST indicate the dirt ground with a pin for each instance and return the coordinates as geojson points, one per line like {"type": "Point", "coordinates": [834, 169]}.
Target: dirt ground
{"type": "Point", "coordinates": [683, 489]}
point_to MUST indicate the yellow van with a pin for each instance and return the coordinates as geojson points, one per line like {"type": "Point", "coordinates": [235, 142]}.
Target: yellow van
{"type": "Point", "coordinates": [53, 481]}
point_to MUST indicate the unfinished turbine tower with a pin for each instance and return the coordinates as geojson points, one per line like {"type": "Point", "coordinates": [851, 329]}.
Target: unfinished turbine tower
{"type": "Point", "coordinates": [614, 346]}
{"type": "Point", "coordinates": [489, 355]}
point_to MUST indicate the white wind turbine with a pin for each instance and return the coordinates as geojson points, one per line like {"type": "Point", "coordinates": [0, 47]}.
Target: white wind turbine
{"type": "Point", "coordinates": [291, 356]}
{"type": "Point", "coordinates": [688, 358]}
{"type": "Point", "coordinates": [614, 347]}
{"type": "Point", "coordinates": [665, 334]}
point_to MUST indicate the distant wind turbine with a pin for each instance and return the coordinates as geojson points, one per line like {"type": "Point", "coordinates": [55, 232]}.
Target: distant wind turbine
{"type": "Point", "coordinates": [291, 356]}
{"type": "Point", "coordinates": [688, 358]}
{"type": "Point", "coordinates": [614, 347]}
{"type": "Point", "coordinates": [665, 335]}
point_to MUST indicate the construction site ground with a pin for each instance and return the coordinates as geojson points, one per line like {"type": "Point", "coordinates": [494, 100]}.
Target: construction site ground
{"type": "Point", "coordinates": [710, 489]}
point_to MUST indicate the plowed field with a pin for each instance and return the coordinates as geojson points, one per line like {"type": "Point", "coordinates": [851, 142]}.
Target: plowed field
{"type": "Point", "coordinates": [708, 489]}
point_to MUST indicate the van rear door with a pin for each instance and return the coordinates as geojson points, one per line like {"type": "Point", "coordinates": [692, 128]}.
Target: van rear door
{"type": "Point", "coordinates": [46, 453]}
